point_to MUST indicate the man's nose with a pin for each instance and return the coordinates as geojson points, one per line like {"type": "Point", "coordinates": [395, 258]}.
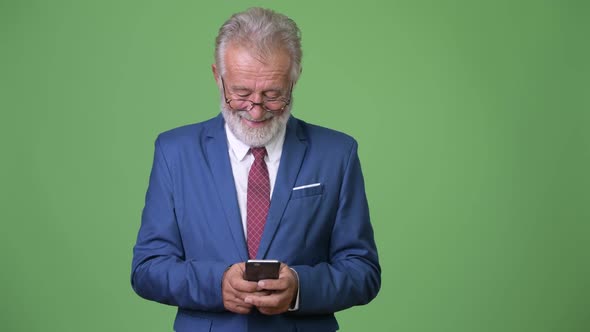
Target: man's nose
{"type": "Point", "coordinates": [257, 112]}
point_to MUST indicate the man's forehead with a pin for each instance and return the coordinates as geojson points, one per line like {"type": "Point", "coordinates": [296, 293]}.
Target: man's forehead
{"type": "Point", "coordinates": [240, 57]}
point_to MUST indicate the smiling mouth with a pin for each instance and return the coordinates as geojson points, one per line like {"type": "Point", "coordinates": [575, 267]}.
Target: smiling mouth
{"type": "Point", "coordinates": [246, 116]}
{"type": "Point", "coordinates": [257, 121]}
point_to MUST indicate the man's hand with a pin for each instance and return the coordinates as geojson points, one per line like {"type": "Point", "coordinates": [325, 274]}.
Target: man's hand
{"type": "Point", "coordinates": [235, 289]}
{"type": "Point", "coordinates": [282, 293]}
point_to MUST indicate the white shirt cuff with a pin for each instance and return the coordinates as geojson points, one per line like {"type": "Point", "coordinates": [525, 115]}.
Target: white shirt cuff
{"type": "Point", "coordinates": [296, 305]}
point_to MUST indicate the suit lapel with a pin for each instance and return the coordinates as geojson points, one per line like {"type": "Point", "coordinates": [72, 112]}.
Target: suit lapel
{"type": "Point", "coordinates": [292, 156]}
{"type": "Point", "coordinates": [220, 166]}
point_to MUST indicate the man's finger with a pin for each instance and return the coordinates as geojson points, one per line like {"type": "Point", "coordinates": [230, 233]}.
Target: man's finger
{"type": "Point", "coordinates": [286, 279]}
{"type": "Point", "coordinates": [242, 285]}
{"type": "Point", "coordinates": [235, 278]}
{"type": "Point", "coordinates": [271, 301]}
{"type": "Point", "coordinates": [273, 284]}
{"type": "Point", "coordinates": [269, 311]}
{"type": "Point", "coordinates": [240, 309]}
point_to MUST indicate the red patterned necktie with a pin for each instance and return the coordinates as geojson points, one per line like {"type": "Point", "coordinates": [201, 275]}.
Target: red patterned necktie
{"type": "Point", "coordinates": [258, 200]}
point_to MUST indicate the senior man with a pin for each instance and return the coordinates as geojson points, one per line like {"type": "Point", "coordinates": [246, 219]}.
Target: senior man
{"type": "Point", "coordinates": [256, 183]}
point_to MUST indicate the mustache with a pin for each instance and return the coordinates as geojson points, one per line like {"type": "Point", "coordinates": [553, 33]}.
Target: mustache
{"type": "Point", "coordinates": [246, 115]}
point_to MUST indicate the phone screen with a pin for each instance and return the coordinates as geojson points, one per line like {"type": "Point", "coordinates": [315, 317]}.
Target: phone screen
{"type": "Point", "coordinates": [262, 269]}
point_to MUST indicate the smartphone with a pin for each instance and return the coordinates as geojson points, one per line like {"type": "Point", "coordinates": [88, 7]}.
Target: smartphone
{"type": "Point", "coordinates": [257, 269]}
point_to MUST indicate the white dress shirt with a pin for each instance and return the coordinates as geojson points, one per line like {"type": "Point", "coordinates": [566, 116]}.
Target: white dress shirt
{"type": "Point", "coordinates": [241, 160]}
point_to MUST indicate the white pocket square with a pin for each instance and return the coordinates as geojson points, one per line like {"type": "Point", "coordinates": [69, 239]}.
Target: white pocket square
{"type": "Point", "coordinates": [307, 186]}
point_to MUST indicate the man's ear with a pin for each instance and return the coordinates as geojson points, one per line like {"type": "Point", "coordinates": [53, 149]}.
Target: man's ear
{"type": "Point", "coordinates": [215, 74]}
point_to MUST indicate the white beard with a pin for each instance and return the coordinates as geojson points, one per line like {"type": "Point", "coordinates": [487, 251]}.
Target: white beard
{"type": "Point", "coordinates": [255, 137]}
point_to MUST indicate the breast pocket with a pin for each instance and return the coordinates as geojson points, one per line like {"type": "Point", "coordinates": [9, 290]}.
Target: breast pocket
{"type": "Point", "coordinates": [306, 191]}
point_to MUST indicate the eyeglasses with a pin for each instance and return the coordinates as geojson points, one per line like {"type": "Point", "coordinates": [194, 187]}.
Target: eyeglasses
{"type": "Point", "coordinates": [270, 105]}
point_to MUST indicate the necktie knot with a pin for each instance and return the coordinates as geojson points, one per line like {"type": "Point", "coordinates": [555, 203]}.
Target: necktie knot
{"type": "Point", "coordinates": [258, 153]}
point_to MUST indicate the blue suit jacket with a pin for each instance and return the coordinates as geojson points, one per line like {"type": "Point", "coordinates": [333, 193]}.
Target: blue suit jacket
{"type": "Point", "coordinates": [191, 229]}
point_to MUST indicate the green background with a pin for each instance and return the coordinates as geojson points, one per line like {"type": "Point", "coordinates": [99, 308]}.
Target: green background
{"type": "Point", "coordinates": [473, 119]}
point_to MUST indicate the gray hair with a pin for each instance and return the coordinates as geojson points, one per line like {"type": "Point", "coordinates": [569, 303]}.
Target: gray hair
{"type": "Point", "coordinates": [264, 31]}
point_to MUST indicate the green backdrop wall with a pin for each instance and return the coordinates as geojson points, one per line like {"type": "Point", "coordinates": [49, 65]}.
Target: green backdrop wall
{"type": "Point", "coordinates": [472, 117]}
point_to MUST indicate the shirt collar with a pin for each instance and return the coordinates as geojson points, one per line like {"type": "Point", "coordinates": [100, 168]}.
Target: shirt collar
{"type": "Point", "coordinates": [274, 148]}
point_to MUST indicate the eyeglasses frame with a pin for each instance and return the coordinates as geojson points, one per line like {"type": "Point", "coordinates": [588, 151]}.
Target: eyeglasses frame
{"type": "Point", "coordinates": [253, 104]}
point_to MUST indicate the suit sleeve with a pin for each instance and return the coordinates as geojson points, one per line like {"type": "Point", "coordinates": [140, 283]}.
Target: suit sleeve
{"type": "Point", "coordinates": [352, 276]}
{"type": "Point", "coordinates": [159, 269]}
